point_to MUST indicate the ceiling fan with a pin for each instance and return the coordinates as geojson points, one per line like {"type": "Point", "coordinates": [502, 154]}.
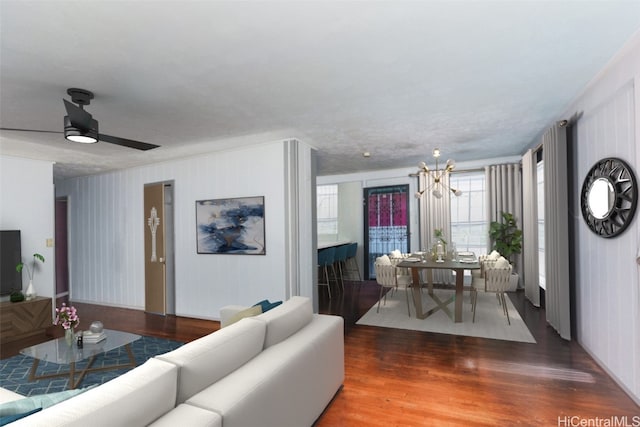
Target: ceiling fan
{"type": "Point", "coordinates": [80, 126]}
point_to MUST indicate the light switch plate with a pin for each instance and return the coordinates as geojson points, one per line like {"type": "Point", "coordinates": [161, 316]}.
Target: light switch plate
{"type": "Point", "coordinates": [49, 243]}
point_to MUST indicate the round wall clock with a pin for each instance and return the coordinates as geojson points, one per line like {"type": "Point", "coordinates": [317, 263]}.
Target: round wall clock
{"type": "Point", "coordinates": [609, 197]}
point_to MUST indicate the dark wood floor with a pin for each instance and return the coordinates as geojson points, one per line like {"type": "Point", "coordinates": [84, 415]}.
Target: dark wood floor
{"type": "Point", "coordinates": [408, 378]}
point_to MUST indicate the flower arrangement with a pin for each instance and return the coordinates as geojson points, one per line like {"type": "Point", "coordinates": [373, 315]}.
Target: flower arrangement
{"type": "Point", "coordinates": [67, 317]}
{"type": "Point", "coordinates": [439, 235]}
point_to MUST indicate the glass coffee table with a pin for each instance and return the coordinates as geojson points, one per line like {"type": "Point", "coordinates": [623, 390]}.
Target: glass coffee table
{"type": "Point", "coordinates": [59, 352]}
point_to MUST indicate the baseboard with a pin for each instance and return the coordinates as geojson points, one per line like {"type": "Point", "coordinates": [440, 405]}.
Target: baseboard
{"type": "Point", "coordinates": [629, 393]}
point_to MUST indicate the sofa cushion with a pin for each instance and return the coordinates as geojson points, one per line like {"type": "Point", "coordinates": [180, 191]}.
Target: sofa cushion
{"type": "Point", "coordinates": [204, 361]}
{"type": "Point", "coordinates": [288, 384]}
{"type": "Point", "coordinates": [187, 415]}
{"type": "Point", "coordinates": [228, 311]}
{"type": "Point", "coordinates": [286, 319]}
{"type": "Point", "coordinates": [135, 398]}
{"type": "Point", "coordinates": [247, 312]}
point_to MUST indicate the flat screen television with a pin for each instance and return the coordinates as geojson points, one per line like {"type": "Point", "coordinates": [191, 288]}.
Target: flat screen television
{"type": "Point", "coordinates": [10, 256]}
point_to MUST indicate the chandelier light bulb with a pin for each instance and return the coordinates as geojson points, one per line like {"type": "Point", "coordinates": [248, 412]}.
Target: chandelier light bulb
{"type": "Point", "coordinates": [436, 152]}
{"type": "Point", "coordinates": [419, 194]}
{"type": "Point", "coordinates": [451, 164]}
{"type": "Point", "coordinates": [437, 194]}
{"type": "Point", "coordinates": [457, 193]}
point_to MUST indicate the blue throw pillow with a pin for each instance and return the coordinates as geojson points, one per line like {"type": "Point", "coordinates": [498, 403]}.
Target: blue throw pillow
{"type": "Point", "coordinates": [11, 418]}
{"type": "Point", "coordinates": [266, 305]}
{"type": "Point", "coordinates": [272, 305]}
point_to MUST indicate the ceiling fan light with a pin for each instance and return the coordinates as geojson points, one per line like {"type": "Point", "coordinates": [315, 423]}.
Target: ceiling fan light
{"type": "Point", "coordinates": [81, 139]}
{"type": "Point", "coordinates": [72, 133]}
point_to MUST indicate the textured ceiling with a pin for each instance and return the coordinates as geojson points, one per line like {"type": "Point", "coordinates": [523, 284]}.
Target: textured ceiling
{"type": "Point", "coordinates": [478, 79]}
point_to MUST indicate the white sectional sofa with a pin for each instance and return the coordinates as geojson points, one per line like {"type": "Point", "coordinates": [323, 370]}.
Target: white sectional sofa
{"type": "Point", "coordinates": [280, 368]}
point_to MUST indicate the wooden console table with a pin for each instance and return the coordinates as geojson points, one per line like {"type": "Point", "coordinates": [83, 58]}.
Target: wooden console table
{"type": "Point", "coordinates": [24, 319]}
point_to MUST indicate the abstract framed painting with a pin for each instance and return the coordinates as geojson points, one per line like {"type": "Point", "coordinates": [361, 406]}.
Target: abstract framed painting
{"type": "Point", "coordinates": [231, 226]}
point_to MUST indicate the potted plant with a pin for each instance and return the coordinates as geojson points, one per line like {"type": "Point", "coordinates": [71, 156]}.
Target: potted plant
{"type": "Point", "coordinates": [506, 238]}
{"type": "Point", "coordinates": [30, 292]}
{"type": "Point", "coordinates": [16, 296]}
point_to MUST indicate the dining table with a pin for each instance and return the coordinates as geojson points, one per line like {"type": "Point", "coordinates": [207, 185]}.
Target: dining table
{"type": "Point", "coordinates": [459, 266]}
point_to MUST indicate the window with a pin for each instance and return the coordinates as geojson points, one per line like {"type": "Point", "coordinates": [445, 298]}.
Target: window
{"type": "Point", "coordinates": [327, 209]}
{"type": "Point", "coordinates": [468, 218]}
{"type": "Point", "coordinates": [540, 195]}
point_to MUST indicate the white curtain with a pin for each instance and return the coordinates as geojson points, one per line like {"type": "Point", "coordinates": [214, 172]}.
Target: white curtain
{"type": "Point", "coordinates": [435, 213]}
{"type": "Point", "coordinates": [556, 234]}
{"type": "Point", "coordinates": [504, 194]}
{"type": "Point", "coordinates": [530, 229]}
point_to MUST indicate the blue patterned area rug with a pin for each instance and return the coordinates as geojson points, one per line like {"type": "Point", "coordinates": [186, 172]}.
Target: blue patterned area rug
{"type": "Point", "coordinates": [14, 371]}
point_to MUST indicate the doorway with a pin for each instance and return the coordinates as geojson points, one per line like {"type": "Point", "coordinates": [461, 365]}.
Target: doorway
{"type": "Point", "coordinates": [62, 250]}
{"type": "Point", "coordinates": [386, 223]}
{"type": "Point", "coordinates": [159, 248]}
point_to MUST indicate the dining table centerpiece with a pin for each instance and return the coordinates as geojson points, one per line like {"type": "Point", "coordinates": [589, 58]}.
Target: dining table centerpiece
{"type": "Point", "coordinates": [67, 317]}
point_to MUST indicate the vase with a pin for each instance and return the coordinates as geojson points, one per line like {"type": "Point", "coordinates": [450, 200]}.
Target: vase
{"type": "Point", "coordinates": [69, 336]}
{"type": "Point", "coordinates": [30, 293]}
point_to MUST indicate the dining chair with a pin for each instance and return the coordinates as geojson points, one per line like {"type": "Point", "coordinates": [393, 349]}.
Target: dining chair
{"type": "Point", "coordinates": [388, 277]}
{"type": "Point", "coordinates": [478, 275]}
{"type": "Point", "coordinates": [496, 280]}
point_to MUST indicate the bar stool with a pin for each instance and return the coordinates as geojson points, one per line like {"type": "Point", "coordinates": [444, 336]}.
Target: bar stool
{"type": "Point", "coordinates": [339, 260]}
{"type": "Point", "coordinates": [326, 258]}
{"type": "Point", "coordinates": [352, 250]}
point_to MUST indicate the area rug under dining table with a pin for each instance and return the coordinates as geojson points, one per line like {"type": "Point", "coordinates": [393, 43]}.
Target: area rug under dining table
{"type": "Point", "coordinates": [14, 371]}
{"type": "Point", "coordinates": [490, 321]}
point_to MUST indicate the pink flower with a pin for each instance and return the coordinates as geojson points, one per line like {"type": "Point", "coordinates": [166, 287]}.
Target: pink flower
{"type": "Point", "coordinates": [67, 317]}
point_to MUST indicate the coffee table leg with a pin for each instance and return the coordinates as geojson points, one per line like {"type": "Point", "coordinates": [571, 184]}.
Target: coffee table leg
{"type": "Point", "coordinates": [132, 359]}
{"type": "Point", "coordinates": [34, 367]}
{"type": "Point", "coordinates": [72, 376]}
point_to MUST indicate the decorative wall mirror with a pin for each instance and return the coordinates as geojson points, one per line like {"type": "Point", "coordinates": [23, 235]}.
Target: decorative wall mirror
{"type": "Point", "coordinates": [609, 197]}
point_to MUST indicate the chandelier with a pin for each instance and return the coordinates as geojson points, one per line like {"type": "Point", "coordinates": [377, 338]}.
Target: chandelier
{"type": "Point", "coordinates": [438, 185]}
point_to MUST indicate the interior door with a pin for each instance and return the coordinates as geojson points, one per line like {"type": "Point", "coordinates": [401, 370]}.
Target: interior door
{"type": "Point", "coordinates": [154, 249]}
{"type": "Point", "coordinates": [386, 223]}
{"type": "Point", "coordinates": [61, 249]}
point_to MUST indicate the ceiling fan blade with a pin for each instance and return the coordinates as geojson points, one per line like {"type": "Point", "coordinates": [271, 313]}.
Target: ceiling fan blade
{"type": "Point", "coordinates": [126, 142]}
{"type": "Point", "coordinates": [77, 116]}
{"type": "Point", "coordinates": [31, 130]}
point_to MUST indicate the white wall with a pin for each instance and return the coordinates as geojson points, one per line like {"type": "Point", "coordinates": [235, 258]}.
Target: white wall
{"type": "Point", "coordinates": [27, 204]}
{"type": "Point", "coordinates": [607, 278]}
{"type": "Point", "coordinates": [106, 226]}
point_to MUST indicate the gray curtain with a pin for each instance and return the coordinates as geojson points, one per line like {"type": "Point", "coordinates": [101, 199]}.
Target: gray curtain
{"type": "Point", "coordinates": [435, 213]}
{"type": "Point", "coordinates": [556, 235]}
{"type": "Point", "coordinates": [530, 229]}
{"type": "Point", "coordinates": [504, 194]}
